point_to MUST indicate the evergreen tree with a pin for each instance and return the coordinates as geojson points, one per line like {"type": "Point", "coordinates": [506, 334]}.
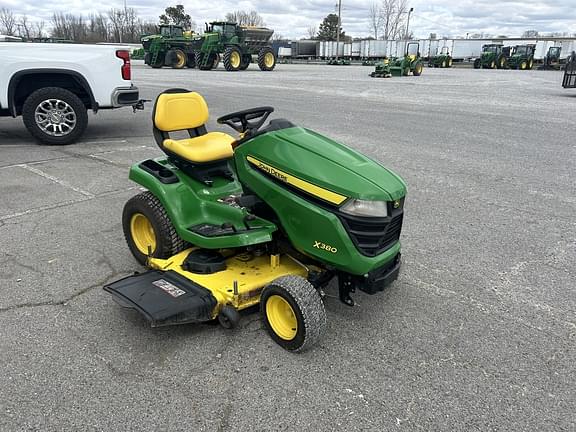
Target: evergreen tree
{"type": "Point", "coordinates": [329, 28]}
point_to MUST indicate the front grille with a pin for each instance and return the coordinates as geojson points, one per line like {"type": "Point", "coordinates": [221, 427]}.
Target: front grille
{"type": "Point", "coordinates": [373, 236]}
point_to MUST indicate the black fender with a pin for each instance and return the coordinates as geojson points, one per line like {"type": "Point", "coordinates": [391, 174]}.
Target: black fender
{"type": "Point", "coordinates": [17, 77]}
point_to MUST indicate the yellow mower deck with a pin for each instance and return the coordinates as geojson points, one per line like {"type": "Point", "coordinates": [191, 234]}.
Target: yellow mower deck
{"type": "Point", "coordinates": [242, 282]}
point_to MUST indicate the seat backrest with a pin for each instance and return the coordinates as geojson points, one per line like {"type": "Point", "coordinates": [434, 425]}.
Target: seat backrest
{"type": "Point", "coordinates": [180, 111]}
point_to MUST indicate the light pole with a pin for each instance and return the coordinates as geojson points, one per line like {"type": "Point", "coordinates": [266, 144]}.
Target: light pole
{"type": "Point", "coordinates": [338, 29]}
{"type": "Point", "coordinates": [408, 23]}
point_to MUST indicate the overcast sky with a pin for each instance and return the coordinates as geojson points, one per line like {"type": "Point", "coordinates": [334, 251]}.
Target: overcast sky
{"type": "Point", "coordinates": [293, 18]}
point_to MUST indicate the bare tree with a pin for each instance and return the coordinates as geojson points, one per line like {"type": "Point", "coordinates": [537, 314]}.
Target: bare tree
{"type": "Point", "coordinates": [392, 17]}
{"type": "Point", "coordinates": [39, 28]}
{"type": "Point", "coordinates": [8, 21]}
{"type": "Point", "coordinates": [25, 27]}
{"type": "Point", "coordinates": [244, 18]}
{"type": "Point", "coordinates": [311, 32]}
{"type": "Point", "coordinates": [375, 15]}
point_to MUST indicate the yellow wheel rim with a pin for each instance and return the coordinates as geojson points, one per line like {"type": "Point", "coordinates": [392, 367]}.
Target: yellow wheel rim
{"type": "Point", "coordinates": [235, 59]}
{"type": "Point", "coordinates": [523, 65]}
{"type": "Point", "coordinates": [281, 317]}
{"type": "Point", "coordinates": [419, 69]}
{"type": "Point", "coordinates": [269, 59]}
{"type": "Point", "coordinates": [181, 60]}
{"type": "Point", "coordinates": [142, 233]}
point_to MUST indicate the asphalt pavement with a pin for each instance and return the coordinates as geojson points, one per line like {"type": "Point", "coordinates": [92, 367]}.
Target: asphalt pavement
{"type": "Point", "coordinates": [478, 333]}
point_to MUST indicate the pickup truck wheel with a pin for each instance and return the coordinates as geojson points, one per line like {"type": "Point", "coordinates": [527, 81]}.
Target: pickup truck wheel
{"type": "Point", "coordinates": [55, 116]}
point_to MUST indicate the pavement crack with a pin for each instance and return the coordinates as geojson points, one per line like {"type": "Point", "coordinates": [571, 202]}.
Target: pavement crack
{"type": "Point", "coordinates": [65, 301]}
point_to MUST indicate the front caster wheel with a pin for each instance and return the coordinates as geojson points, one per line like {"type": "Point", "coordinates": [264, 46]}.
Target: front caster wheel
{"type": "Point", "coordinates": [149, 230]}
{"type": "Point", "coordinates": [293, 313]}
{"type": "Point", "coordinates": [229, 317]}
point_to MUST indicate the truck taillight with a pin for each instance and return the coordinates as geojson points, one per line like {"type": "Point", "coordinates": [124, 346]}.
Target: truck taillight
{"type": "Point", "coordinates": [125, 56]}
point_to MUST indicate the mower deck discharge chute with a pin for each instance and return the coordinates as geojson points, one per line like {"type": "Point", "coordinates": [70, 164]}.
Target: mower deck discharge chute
{"type": "Point", "coordinates": [269, 218]}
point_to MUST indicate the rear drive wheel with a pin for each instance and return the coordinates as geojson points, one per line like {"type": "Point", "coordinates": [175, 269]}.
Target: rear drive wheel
{"type": "Point", "coordinates": [501, 63]}
{"type": "Point", "coordinates": [54, 116]}
{"type": "Point", "coordinates": [293, 313]}
{"type": "Point", "coordinates": [449, 62]}
{"type": "Point", "coordinates": [477, 64]}
{"type": "Point", "coordinates": [148, 229]}
{"type": "Point", "coordinates": [266, 59]}
{"type": "Point", "coordinates": [530, 63]}
{"type": "Point", "coordinates": [418, 69]}
{"type": "Point", "coordinates": [492, 64]}
{"type": "Point", "coordinates": [178, 59]}
{"type": "Point", "coordinates": [246, 60]}
{"type": "Point", "coordinates": [232, 59]}
{"type": "Point", "coordinates": [523, 65]}
{"type": "Point", "coordinates": [443, 64]}
{"type": "Point", "coordinates": [191, 60]}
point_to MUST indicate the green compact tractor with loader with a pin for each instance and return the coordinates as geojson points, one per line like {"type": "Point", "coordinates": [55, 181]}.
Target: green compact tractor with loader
{"type": "Point", "coordinates": [268, 218]}
{"type": "Point", "coordinates": [521, 57]}
{"type": "Point", "coordinates": [442, 60]}
{"type": "Point", "coordinates": [493, 56]}
{"type": "Point", "coordinates": [401, 66]}
{"type": "Point", "coordinates": [235, 45]}
{"type": "Point", "coordinates": [172, 47]}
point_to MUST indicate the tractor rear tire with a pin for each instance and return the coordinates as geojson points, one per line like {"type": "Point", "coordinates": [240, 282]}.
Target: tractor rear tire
{"type": "Point", "coordinates": [449, 62]}
{"type": "Point", "coordinates": [443, 64]}
{"type": "Point", "coordinates": [190, 60]}
{"type": "Point", "coordinates": [501, 63]}
{"type": "Point", "coordinates": [492, 64]}
{"type": "Point", "coordinates": [147, 225]}
{"type": "Point", "coordinates": [246, 60]}
{"type": "Point", "coordinates": [177, 58]}
{"type": "Point", "coordinates": [530, 63]}
{"type": "Point", "coordinates": [418, 69]}
{"type": "Point", "coordinates": [199, 57]}
{"type": "Point", "coordinates": [523, 65]}
{"type": "Point", "coordinates": [232, 59]}
{"type": "Point", "coordinates": [266, 59]}
{"type": "Point", "coordinates": [293, 313]}
{"type": "Point", "coordinates": [477, 64]}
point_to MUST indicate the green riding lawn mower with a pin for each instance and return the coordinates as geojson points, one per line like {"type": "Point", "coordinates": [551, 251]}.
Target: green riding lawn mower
{"type": "Point", "coordinates": [268, 218]}
{"type": "Point", "coordinates": [401, 66]}
{"type": "Point", "coordinates": [442, 60]}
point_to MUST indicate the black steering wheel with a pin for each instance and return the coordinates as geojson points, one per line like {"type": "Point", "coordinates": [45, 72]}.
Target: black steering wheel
{"type": "Point", "coordinates": [249, 120]}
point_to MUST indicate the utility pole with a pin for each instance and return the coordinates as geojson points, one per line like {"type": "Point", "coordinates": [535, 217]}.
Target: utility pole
{"type": "Point", "coordinates": [408, 23]}
{"type": "Point", "coordinates": [338, 29]}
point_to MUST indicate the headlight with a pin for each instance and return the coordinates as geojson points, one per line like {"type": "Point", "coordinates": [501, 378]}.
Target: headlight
{"type": "Point", "coordinates": [358, 207]}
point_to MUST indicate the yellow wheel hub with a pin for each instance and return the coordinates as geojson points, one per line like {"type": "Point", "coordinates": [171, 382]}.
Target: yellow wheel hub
{"type": "Point", "coordinates": [235, 59]}
{"type": "Point", "coordinates": [180, 60]}
{"type": "Point", "coordinates": [269, 59]}
{"type": "Point", "coordinates": [523, 65]}
{"type": "Point", "coordinates": [281, 317]}
{"type": "Point", "coordinates": [142, 233]}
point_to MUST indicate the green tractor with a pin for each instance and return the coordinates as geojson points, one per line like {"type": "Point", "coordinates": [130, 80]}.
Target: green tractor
{"type": "Point", "coordinates": [171, 47]}
{"type": "Point", "coordinates": [401, 66]}
{"type": "Point", "coordinates": [493, 56]}
{"type": "Point", "coordinates": [522, 57]}
{"type": "Point", "coordinates": [442, 60]}
{"type": "Point", "coordinates": [236, 45]}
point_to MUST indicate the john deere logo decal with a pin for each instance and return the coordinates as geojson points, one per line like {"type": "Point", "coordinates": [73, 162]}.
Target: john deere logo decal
{"type": "Point", "coordinates": [396, 204]}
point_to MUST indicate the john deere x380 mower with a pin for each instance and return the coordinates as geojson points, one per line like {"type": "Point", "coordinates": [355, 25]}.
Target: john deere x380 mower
{"type": "Point", "coordinates": [268, 218]}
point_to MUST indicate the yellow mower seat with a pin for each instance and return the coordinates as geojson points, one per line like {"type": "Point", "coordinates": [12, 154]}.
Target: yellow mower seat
{"type": "Point", "coordinates": [186, 110]}
{"type": "Point", "coordinates": [210, 147]}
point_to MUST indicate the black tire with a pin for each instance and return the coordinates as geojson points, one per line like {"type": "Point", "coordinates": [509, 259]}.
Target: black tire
{"type": "Point", "coordinates": [246, 60]}
{"type": "Point", "coordinates": [229, 317]}
{"type": "Point", "coordinates": [492, 65]}
{"type": "Point", "coordinates": [159, 61]}
{"type": "Point", "coordinates": [306, 306]}
{"type": "Point", "coordinates": [232, 59]}
{"type": "Point", "coordinates": [168, 242]}
{"type": "Point", "coordinates": [530, 63]}
{"type": "Point", "coordinates": [501, 62]}
{"type": "Point", "coordinates": [443, 64]}
{"type": "Point", "coordinates": [198, 58]}
{"type": "Point", "coordinates": [191, 61]}
{"type": "Point", "coordinates": [418, 68]}
{"type": "Point", "coordinates": [264, 59]}
{"type": "Point", "coordinates": [70, 110]}
{"type": "Point", "coordinates": [147, 58]}
{"type": "Point", "coordinates": [177, 58]}
{"type": "Point", "coordinates": [215, 60]}
{"type": "Point", "coordinates": [477, 64]}
{"type": "Point", "coordinates": [449, 62]}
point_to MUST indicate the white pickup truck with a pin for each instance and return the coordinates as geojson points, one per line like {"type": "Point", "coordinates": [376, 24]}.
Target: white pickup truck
{"type": "Point", "coordinates": [52, 86]}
